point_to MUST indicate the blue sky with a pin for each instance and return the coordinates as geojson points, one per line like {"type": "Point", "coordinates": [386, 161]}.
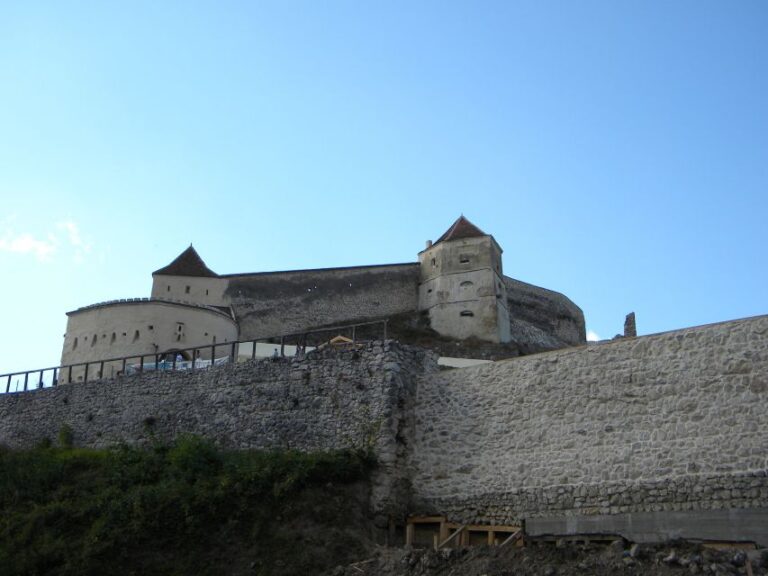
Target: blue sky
{"type": "Point", "coordinates": [618, 151]}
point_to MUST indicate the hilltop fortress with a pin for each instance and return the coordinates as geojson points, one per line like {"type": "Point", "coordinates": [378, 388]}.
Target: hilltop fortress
{"type": "Point", "coordinates": [650, 437]}
{"type": "Point", "coordinates": [457, 283]}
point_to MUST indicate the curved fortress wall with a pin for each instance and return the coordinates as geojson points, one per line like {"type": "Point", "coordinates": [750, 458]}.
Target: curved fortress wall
{"type": "Point", "coordinates": [144, 327]}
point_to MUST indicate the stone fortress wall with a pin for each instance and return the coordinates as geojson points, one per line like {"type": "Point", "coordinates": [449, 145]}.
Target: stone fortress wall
{"type": "Point", "coordinates": [273, 303]}
{"type": "Point", "coordinates": [668, 424]}
{"type": "Point", "coordinates": [673, 422]}
{"type": "Point", "coordinates": [139, 326]}
{"type": "Point", "coordinates": [457, 284]}
{"type": "Point", "coordinates": [330, 399]}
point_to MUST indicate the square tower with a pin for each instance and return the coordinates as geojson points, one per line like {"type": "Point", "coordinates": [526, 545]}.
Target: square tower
{"type": "Point", "coordinates": [462, 286]}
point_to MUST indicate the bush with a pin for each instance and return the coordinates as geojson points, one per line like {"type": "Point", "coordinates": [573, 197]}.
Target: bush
{"type": "Point", "coordinates": [179, 509]}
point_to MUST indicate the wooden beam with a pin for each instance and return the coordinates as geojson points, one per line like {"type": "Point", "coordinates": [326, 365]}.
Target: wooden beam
{"type": "Point", "coordinates": [444, 530]}
{"type": "Point", "coordinates": [409, 532]}
{"type": "Point", "coordinates": [425, 519]}
{"type": "Point", "coordinates": [512, 538]}
{"type": "Point", "coordinates": [450, 538]}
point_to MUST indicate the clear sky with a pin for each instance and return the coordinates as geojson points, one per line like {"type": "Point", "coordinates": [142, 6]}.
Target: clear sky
{"type": "Point", "coordinates": [617, 151]}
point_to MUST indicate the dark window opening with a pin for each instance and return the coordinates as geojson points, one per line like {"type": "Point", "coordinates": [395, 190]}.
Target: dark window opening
{"type": "Point", "coordinates": [112, 340]}
{"type": "Point", "coordinates": [206, 292]}
{"type": "Point", "coordinates": [151, 327]}
{"type": "Point", "coordinates": [434, 263]}
{"type": "Point", "coordinates": [167, 288]}
{"type": "Point", "coordinates": [95, 337]}
{"type": "Point", "coordinates": [467, 313]}
{"type": "Point", "coordinates": [186, 290]}
{"type": "Point", "coordinates": [466, 284]}
{"type": "Point", "coordinates": [74, 344]}
{"type": "Point", "coordinates": [464, 259]}
{"type": "Point", "coordinates": [135, 335]}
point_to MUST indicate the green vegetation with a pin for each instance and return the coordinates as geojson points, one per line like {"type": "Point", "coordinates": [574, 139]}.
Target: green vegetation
{"type": "Point", "coordinates": [184, 509]}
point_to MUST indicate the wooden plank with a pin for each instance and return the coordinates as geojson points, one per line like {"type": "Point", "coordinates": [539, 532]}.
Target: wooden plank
{"type": "Point", "coordinates": [409, 533]}
{"type": "Point", "coordinates": [485, 527]}
{"type": "Point", "coordinates": [511, 539]}
{"type": "Point", "coordinates": [464, 539]}
{"type": "Point", "coordinates": [456, 534]}
{"type": "Point", "coordinates": [444, 531]}
{"type": "Point", "coordinates": [425, 519]}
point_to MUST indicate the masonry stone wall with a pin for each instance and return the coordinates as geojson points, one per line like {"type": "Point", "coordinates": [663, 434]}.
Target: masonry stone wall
{"type": "Point", "coordinates": [275, 303]}
{"type": "Point", "coordinates": [329, 399]}
{"type": "Point", "coordinates": [669, 422]}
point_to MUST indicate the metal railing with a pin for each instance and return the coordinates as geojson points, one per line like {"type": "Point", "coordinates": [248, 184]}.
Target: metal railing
{"type": "Point", "coordinates": [189, 359]}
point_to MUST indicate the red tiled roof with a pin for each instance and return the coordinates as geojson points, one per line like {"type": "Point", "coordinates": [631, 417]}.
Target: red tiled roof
{"type": "Point", "coordinates": [188, 263]}
{"type": "Point", "coordinates": [462, 228]}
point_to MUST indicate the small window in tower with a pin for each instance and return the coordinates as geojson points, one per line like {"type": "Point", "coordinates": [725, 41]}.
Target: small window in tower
{"type": "Point", "coordinates": [214, 339]}
{"type": "Point", "coordinates": [186, 290]}
{"type": "Point", "coordinates": [151, 327]}
{"type": "Point", "coordinates": [112, 340]}
{"type": "Point", "coordinates": [429, 291]}
{"type": "Point", "coordinates": [466, 284]}
{"type": "Point", "coordinates": [74, 344]}
{"type": "Point", "coordinates": [434, 263]}
{"type": "Point", "coordinates": [206, 292]}
{"type": "Point", "coordinates": [463, 259]}
{"type": "Point", "coordinates": [135, 335]}
{"type": "Point", "coordinates": [95, 337]}
{"type": "Point", "coordinates": [168, 288]}
{"type": "Point", "coordinates": [467, 313]}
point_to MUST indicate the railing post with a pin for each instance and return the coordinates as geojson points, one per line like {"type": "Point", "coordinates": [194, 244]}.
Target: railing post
{"type": "Point", "coordinates": [55, 377]}
{"type": "Point", "coordinates": [70, 374]}
{"type": "Point", "coordinates": [194, 358]}
{"type": "Point", "coordinates": [282, 346]}
{"type": "Point", "coordinates": [213, 353]}
{"type": "Point", "coordinates": [85, 377]}
{"type": "Point", "coordinates": [26, 379]}
{"type": "Point", "coordinates": [141, 364]}
{"type": "Point", "coordinates": [101, 370]}
{"type": "Point", "coordinates": [253, 350]}
{"type": "Point", "coordinates": [123, 370]}
{"type": "Point", "coordinates": [8, 386]}
{"type": "Point", "coordinates": [173, 366]}
{"type": "Point", "coordinates": [233, 352]}
{"type": "Point", "coordinates": [40, 382]}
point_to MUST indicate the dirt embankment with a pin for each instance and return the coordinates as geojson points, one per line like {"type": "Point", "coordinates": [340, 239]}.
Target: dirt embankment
{"type": "Point", "coordinates": [567, 559]}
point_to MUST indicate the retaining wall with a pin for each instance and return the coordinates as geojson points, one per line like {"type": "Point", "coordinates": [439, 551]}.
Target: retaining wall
{"type": "Point", "coordinates": [637, 430]}
{"type": "Point", "coordinates": [670, 422]}
{"type": "Point", "coordinates": [330, 399]}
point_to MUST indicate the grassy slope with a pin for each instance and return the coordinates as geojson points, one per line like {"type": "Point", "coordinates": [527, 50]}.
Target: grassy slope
{"type": "Point", "coordinates": [183, 509]}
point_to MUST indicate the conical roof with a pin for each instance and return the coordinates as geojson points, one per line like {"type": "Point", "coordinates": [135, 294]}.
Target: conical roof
{"type": "Point", "coordinates": [188, 263]}
{"type": "Point", "coordinates": [462, 228]}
